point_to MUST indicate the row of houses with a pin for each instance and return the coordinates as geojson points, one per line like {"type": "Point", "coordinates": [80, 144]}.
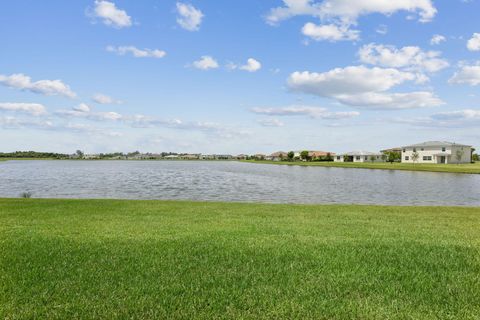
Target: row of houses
{"type": "Point", "coordinates": [434, 152]}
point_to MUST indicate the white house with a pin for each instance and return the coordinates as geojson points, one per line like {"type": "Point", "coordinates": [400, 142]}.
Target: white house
{"type": "Point", "coordinates": [359, 156]}
{"type": "Point", "coordinates": [437, 152]}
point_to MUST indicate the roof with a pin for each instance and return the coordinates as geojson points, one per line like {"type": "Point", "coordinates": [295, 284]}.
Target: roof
{"type": "Point", "coordinates": [320, 153]}
{"type": "Point", "coordinates": [278, 154]}
{"type": "Point", "coordinates": [362, 153]}
{"type": "Point", "coordinates": [436, 144]}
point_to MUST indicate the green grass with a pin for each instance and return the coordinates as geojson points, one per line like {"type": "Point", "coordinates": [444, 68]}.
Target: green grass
{"type": "Point", "coordinates": [473, 168]}
{"type": "Point", "coordinates": [112, 259]}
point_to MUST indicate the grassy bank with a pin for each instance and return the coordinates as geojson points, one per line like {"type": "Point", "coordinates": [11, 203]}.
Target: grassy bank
{"type": "Point", "coordinates": [62, 259]}
{"type": "Point", "coordinates": [473, 168]}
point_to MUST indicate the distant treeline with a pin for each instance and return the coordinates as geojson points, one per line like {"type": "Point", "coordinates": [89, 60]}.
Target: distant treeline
{"type": "Point", "coordinates": [33, 154]}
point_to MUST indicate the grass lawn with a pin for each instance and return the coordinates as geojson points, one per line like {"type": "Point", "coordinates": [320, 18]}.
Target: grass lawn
{"type": "Point", "coordinates": [454, 168]}
{"type": "Point", "coordinates": [113, 259]}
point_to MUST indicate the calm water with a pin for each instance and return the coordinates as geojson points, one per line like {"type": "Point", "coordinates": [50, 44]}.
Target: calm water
{"type": "Point", "coordinates": [234, 181]}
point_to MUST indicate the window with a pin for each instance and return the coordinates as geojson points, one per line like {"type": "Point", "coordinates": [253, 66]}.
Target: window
{"type": "Point", "coordinates": [366, 158]}
{"type": "Point", "coordinates": [414, 149]}
{"type": "Point", "coordinates": [427, 158]}
{"type": "Point", "coordinates": [422, 149]}
{"type": "Point", "coordinates": [407, 158]}
{"type": "Point", "coordinates": [404, 150]}
{"type": "Point", "coordinates": [443, 149]}
{"type": "Point", "coordinates": [338, 157]}
{"type": "Point", "coordinates": [357, 157]}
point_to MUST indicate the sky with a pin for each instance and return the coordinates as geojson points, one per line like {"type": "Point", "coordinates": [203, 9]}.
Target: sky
{"type": "Point", "coordinates": [236, 77]}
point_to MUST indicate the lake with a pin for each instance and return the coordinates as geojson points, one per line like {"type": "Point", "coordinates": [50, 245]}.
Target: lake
{"type": "Point", "coordinates": [234, 181]}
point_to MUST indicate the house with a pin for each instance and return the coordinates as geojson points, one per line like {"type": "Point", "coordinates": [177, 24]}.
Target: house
{"type": "Point", "coordinates": [320, 154]}
{"type": "Point", "coordinates": [360, 156]}
{"type": "Point", "coordinates": [277, 156]}
{"type": "Point", "coordinates": [437, 152]}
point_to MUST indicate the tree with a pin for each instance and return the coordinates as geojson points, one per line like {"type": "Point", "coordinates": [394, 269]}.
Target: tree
{"type": "Point", "coordinates": [79, 154]}
{"type": "Point", "coordinates": [459, 155]}
{"type": "Point", "coordinates": [393, 156]}
{"type": "Point", "coordinates": [385, 157]}
{"type": "Point", "coordinates": [415, 157]}
{"type": "Point", "coordinates": [304, 155]}
{"type": "Point", "coordinates": [475, 157]}
{"type": "Point", "coordinates": [290, 155]}
{"type": "Point", "coordinates": [329, 157]}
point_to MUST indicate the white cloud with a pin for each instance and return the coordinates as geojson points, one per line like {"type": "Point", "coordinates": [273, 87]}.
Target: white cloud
{"type": "Point", "coordinates": [82, 107]}
{"type": "Point", "coordinates": [450, 119]}
{"type": "Point", "coordinates": [271, 123]}
{"type": "Point", "coordinates": [206, 63]}
{"type": "Point", "coordinates": [104, 99]}
{"type": "Point", "coordinates": [251, 66]}
{"type": "Point", "coordinates": [345, 13]}
{"type": "Point", "coordinates": [468, 74]}
{"type": "Point", "coordinates": [474, 43]}
{"type": "Point", "coordinates": [409, 58]}
{"type": "Point", "coordinates": [46, 87]}
{"type": "Point", "coordinates": [363, 87]}
{"type": "Point", "coordinates": [348, 11]}
{"type": "Point", "coordinates": [329, 32]}
{"type": "Point", "coordinates": [35, 109]}
{"type": "Point", "coordinates": [110, 15]}
{"type": "Point", "coordinates": [312, 112]}
{"type": "Point", "coordinates": [189, 17]}
{"type": "Point", "coordinates": [437, 39]}
{"type": "Point", "coordinates": [137, 53]}
{"type": "Point", "coordinates": [17, 123]}
{"type": "Point", "coordinates": [84, 111]}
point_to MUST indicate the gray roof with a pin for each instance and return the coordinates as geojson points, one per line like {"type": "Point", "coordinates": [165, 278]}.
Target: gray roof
{"type": "Point", "coordinates": [436, 144]}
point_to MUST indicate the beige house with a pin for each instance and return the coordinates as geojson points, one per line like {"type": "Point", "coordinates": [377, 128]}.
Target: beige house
{"type": "Point", "coordinates": [359, 156]}
{"type": "Point", "coordinates": [437, 152]}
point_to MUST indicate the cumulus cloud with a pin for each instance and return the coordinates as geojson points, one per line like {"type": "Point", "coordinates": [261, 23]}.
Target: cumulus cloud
{"type": "Point", "coordinates": [189, 18]}
{"type": "Point", "coordinates": [252, 65]}
{"type": "Point", "coordinates": [104, 99]}
{"type": "Point", "coordinates": [468, 74]}
{"type": "Point", "coordinates": [205, 63]}
{"type": "Point", "coordinates": [271, 123]}
{"type": "Point", "coordinates": [35, 109]}
{"type": "Point", "coordinates": [137, 53]}
{"type": "Point", "coordinates": [46, 87]}
{"type": "Point", "coordinates": [329, 32]}
{"type": "Point", "coordinates": [312, 112]}
{"type": "Point", "coordinates": [18, 123]}
{"type": "Point", "coordinates": [474, 43]}
{"type": "Point", "coordinates": [409, 58]}
{"type": "Point", "coordinates": [363, 87]}
{"type": "Point", "coordinates": [339, 15]}
{"type": "Point", "coordinates": [349, 11]}
{"type": "Point", "coordinates": [437, 39]}
{"type": "Point", "coordinates": [110, 15]}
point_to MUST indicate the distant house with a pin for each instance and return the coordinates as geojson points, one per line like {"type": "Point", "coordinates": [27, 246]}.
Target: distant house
{"type": "Point", "coordinates": [312, 154]}
{"type": "Point", "coordinates": [320, 154]}
{"type": "Point", "coordinates": [437, 152]}
{"type": "Point", "coordinates": [277, 156]}
{"type": "Point", "coordinates": [191, 156]}
{"type": "Point", "coordinates": [241, 157]}
{"type": "Point", "coordinates": [171, 157]}
{"type": "Point", "coordinates": [359, 156]}
{"type": "Point", "coordinates": [259, 156]}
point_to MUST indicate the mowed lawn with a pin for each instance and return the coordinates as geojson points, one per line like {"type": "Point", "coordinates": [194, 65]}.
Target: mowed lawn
{"type": "Point", "coordinates": [473, 168]}
{"type": "Point", "coordinates": [112, 259]}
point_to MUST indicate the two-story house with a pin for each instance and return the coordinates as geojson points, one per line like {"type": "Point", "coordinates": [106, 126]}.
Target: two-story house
{"type": "Point", "coordinates": [437, 152]}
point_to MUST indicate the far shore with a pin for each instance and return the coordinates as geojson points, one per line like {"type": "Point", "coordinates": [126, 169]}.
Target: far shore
{"type": "Point", "coordinates": [471, 168]}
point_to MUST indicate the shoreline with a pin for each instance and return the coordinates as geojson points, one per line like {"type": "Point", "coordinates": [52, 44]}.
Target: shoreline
{"type": "Point", "coordinates": [473, 168]}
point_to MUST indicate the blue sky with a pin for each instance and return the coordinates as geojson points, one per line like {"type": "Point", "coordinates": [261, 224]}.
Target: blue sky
{"type": "Point", "coordinates": [237, 76]}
